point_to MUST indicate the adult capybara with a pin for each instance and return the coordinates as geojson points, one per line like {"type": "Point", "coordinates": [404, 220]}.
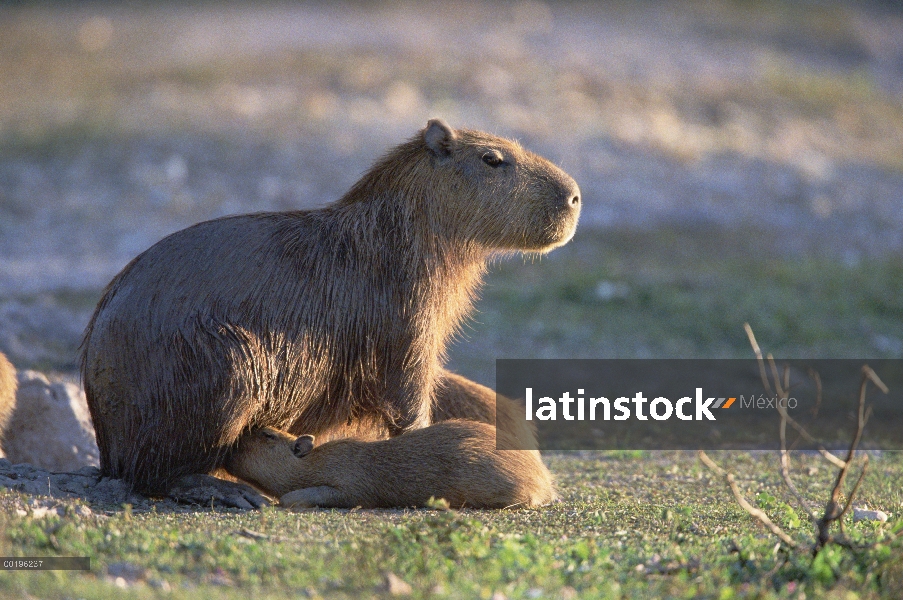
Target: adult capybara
{"type": "Point", "coordinates": [7, 396]}
{"type": "Point", "coordinates": [309, 321]}
{"type": "Point", "coordinates": [455, 460]}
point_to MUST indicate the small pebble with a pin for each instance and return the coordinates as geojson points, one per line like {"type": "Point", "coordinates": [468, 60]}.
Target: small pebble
{"type": "Point", "coordinates": [396, 586]}
{"type": "Point", "coordinates": [863, 514]}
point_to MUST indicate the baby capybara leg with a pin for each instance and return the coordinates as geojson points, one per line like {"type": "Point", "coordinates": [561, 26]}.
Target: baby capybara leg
{"type": "Point", "coordinates": [322, 496]}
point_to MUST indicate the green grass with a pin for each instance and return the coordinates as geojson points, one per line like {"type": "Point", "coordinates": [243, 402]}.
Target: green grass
{"type": "Point", "coordinates": [628, 526]}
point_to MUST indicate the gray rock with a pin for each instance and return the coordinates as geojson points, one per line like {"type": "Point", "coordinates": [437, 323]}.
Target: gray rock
{"type": "Point", "coordinates": [51, 426]}
{"type": "Point", "coordinates": [864, 514]}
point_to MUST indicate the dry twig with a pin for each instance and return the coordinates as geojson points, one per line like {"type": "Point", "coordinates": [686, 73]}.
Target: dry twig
{"type": "Point", "coordinates": [752, 510]}
{"type": "Point", "coordinates": [830, 457]}
{"type": "Point", "coordinates": [833, 512]}
{"type": "Point", "coordinates": [778, 384]}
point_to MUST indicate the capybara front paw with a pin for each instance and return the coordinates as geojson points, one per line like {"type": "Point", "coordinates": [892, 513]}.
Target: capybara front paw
{"type": "Point", "coordinates": [207, 490]}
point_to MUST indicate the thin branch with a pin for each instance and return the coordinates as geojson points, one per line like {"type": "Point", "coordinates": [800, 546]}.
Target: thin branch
{"type": "Point", "coordinates": [832, 512]}
{"type": "Point", "coordinates": [774, 373]}
{"type": "Point", "coordinates": [779, 384]}
{"type": "Point", "coordinates": [817, 379]}
{"type": "Point", "coordinates": [868, 372]}
{"type": "Point", "coordinates": [752, 510]}
{"type": "Point", "coordinates": [758, 352]}
{"type": "Point", "coordinates": [785, 455]}
{"type": "Point", "coordinates": [785, 468]}
{"type": "Point", "coordinates": [829, 456]}
{"type": "Point", "coordinates": [852, 494]}
{"type": "Point", "coordinates": [857, 436]}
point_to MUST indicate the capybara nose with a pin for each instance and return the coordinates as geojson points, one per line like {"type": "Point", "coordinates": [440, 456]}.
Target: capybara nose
{"type": "Point", "coordinates": [572, 194]}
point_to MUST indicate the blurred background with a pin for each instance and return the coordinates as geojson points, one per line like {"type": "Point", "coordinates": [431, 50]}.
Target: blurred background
{"type": "Point", "coordinates": [739, 161]}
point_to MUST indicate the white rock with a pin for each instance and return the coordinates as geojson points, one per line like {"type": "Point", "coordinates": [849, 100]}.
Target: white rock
{"type": "Point", "coordinates": [864, 514]}
{"type": "Point", "coordinates": [396, 586]}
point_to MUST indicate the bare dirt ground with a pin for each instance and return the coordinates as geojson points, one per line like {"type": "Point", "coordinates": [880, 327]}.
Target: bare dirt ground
{"type": "Point", "coordinates": [120, 124]}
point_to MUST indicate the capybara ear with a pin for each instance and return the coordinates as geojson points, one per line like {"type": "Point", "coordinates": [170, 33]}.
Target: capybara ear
{"type": "Point", "coordinates": [439, 137]}
{"type": "Point", "coordinates": [303, 445]}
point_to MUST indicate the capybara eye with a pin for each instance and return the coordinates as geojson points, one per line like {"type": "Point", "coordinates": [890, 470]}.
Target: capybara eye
{"type": "Point", "coordinates": [493, 158]}
{"type": "Point", "coordinates": [269, 435]}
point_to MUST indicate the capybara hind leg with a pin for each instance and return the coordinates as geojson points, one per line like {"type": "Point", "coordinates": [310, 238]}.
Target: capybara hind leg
{"type": "Point", "coordinates": [322, 496]}
{"type": "Point", "coordinates": [460, 398]}
{"type": "Point", "coordinates": [206, 490]}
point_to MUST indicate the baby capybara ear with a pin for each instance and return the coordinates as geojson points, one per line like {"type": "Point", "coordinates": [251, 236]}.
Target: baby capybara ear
{"type": "Point", "coordinates": [303, 445]}
{"type": "Point", "coordinates": [439, 137]}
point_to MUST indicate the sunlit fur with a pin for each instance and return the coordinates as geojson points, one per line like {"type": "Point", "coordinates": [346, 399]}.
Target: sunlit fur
{"type": "Point", "coordinates": [7, 395]}
{"type": "Point", "coordinates": [454, 460]}
{"type": "Point", "coordinates": [309, 321]}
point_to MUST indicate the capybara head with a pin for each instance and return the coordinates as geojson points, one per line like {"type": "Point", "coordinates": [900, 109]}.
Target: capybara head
{"type": "Point", "coordinates": [476, 188]}
{"type": "Point", "coordinates": [268, 458]}
{"type": "Point", "coordinates": [262, 456]}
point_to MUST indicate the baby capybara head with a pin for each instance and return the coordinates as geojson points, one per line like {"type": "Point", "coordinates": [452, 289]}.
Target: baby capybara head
{"type": "Point", "coordinates": [268, 458]}
{"type": "Point", "coordinates": [478, 189]}
{"type": "Point", "coordinates": [267, 455]}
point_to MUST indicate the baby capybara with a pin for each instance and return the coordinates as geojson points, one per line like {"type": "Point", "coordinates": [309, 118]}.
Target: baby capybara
{"type": "Point", "coordinates": [455, 460]}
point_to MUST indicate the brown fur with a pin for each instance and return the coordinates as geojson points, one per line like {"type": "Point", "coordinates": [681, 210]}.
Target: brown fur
{"type": "Point", "coordinates": [8, 387]}
{"type": "Point", "coordinates": [311, 321]}
{"type": "Point", "coordinates": [455, 460]}
{"type": "Point", "coordinates": [456, 398]}
{"type": "Point", "coordinates": [461, 398]}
